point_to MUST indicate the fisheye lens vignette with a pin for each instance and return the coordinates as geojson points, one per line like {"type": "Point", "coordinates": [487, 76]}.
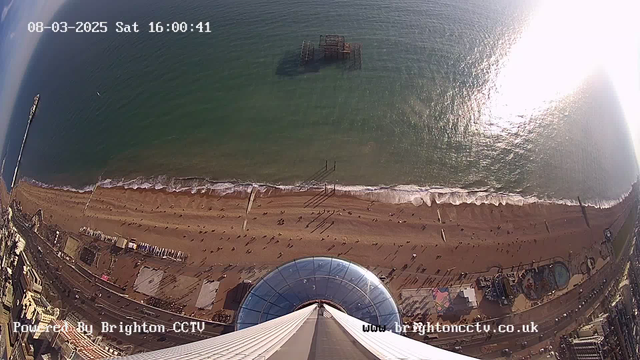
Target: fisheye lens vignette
{"type": "Point", "coordinates": [284, 180]}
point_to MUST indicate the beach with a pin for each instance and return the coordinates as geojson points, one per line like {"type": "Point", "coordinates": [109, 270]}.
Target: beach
{"type": "Point", "coordinates": [281, 226]}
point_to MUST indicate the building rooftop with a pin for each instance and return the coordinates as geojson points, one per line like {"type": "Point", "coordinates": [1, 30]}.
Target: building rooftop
{"type": "Point", "coordinates": [81, 343]}
{"type": "Point", "coordinates": [40, 301]}
{"type": "Point", "coordinates": [587, 339]}
{"type": "Point", "coordinates": [95, 352]}
{"type": "Point", "coordinates": [470, 294]}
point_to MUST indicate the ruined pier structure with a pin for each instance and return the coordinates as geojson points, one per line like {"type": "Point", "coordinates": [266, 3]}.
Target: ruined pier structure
{"type": "Point", "coordinates": [332, 47]}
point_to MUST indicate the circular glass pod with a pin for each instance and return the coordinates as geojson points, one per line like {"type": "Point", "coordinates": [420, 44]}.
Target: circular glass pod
{"type": "Point", "coordinates": [343, 284]}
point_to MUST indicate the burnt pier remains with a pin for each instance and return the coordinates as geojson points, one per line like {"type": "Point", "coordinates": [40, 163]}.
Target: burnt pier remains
{"type": "Point", "coordinates": [332, 47]}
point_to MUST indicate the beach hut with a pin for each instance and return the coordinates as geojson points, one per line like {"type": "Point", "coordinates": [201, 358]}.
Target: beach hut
{"type": "Point", "coordinates": [121, 243]}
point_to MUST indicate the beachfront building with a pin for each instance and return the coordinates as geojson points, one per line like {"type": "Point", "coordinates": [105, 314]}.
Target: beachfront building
{"type": "Point", "coordinates": [69, 343]}
{"type": "Point", "coordinates": [587, 348]}
{"type": "Point", "coordinates": [37, 311]}
{"type": "Point", "coordinates": [27, 286]}
{"type": "Point", "coordinates": [612, 335]}
{"type": "Point", "coordinates": [22, 350]}
{"type": "Point", "coordinates": [598, 326]}
{"type": "Point", "coordinates": [622, 339]}
{"type": "Point", "coordinates": [26, 278]}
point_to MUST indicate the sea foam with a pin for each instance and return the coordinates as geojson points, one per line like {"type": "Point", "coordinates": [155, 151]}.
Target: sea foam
{"type": "Point", "coordinates": [395, 194]}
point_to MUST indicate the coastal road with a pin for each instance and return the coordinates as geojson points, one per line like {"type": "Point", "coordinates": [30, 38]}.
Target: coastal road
{"type": "Point", "coordinates": [111, 307]}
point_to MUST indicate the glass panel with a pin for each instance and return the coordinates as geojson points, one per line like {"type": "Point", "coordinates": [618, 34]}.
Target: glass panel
{"type": "Point", "coordinates": [353, 274]}
{"type": "Point", "coordinates": [289, 294]}
{"type": "Point", "coordinates": [363, 312]}
{"type": "Point", "coordinates": [305, 267]}
{"type": "Point", "coordinates": [248, 316]}
{"type": "Point", "coordinates": [378, 293]}
{"type": "Point", "coordinates": [375, 280]}
{"type": "Point", "coordinates": [254, 302]}
{"type": "Point", "coordinates": [352, 298]}
{"type": "Point", "coordinates": [386, 307]}
{"type": "Point", "coordinates": [334, 289]}
{"type": "Point", "coordinates": [321, 288]}
{"type": "Point", "coordinates": [245, 325]}
{"type": "Point", "coordinates": [311, 287]}
{"type": "Point", "coordinates": [276, 280]}
{"type": "Point", "coordinates": [365, 284]}
{"type": "Point", "coordinates": [283, 302]}
{"type": "Point", "coordinates": [338, 268]}
{"type": "Point", "coordinates": [297, 289]}
{"type": "Point", "coordinates": [390, 321]}
{"type": "Point", "coordinates": [322, 266]}
{"type": "Point", "coordinates": [289, 271]}
{"type": "Point", "coordinates": [363, 300]}
{"type": "Point", "coordinates": [274, 309]}
{"type": "Point", "coordinates": [272, 316]}
{"type": "Point", "coordinates": [263, 290]}
{"type": "Point", "coordinates": [263, 317]}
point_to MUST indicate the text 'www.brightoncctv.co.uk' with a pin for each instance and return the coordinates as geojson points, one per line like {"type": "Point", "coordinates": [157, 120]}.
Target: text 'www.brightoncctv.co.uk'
{"type": "Point", "coordinates": [430, 328]}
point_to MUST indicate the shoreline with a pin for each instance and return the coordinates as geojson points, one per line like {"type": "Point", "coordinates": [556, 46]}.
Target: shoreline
{"type": "Point", "coordinates": [391, 194]}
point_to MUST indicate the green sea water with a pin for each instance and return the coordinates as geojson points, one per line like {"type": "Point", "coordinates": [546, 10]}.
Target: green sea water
{"type": "Point", "coordinates": [234, 104]}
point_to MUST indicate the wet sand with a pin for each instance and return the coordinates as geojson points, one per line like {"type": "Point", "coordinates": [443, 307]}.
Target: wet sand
{"type": "Point", "coordinates": [282, 226]}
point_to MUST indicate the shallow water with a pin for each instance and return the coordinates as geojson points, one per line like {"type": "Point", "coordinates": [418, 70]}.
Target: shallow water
{"type": "Point", "coordinates": [427, 110]}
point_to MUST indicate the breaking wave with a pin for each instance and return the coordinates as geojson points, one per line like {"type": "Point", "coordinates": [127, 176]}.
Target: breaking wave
{"type": "Point", "coordinates": [395, 194]}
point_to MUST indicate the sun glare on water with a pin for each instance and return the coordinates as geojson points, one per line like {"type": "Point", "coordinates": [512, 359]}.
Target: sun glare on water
{"type": "Point", "coordinates": [562, 45]}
